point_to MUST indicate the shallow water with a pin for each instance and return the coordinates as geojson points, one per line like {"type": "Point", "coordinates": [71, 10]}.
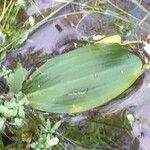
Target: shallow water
{"type": "Point", "coordinates": [107, 127]}
{"type": "Point", "coordinates": [54, 37]}
{"type": "Point", "coordinates": [137, 104]}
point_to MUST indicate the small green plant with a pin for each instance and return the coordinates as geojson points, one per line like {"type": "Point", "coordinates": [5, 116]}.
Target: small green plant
{"type": "Point", "coordinates": [46, 138]}
{"type": "Point", "coordinates": [14, 114]}
{"type": "Point", "coordinates": [13, 111]}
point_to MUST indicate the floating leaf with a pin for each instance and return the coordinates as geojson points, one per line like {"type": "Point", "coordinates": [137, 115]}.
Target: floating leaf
{"type": "Point", "coordinates": [110, 39]}
{"type": "Point", "coordinates": [83, 79]}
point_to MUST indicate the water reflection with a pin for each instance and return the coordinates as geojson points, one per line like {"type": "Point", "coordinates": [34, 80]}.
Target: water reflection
{"type": "Point", "coordinates": [41, 6]}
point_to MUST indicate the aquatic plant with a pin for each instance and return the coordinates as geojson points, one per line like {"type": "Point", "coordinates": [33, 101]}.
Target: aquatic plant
{"type": "Point", "coordinates": [81, 80]}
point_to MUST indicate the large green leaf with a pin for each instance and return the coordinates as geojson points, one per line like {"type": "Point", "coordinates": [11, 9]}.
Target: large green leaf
{"type": "Point", "coordinates": [82, 79]}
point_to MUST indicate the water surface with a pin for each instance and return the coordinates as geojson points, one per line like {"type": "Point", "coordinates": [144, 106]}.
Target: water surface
{"type": "Point", "coordinates": [106, 127]}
